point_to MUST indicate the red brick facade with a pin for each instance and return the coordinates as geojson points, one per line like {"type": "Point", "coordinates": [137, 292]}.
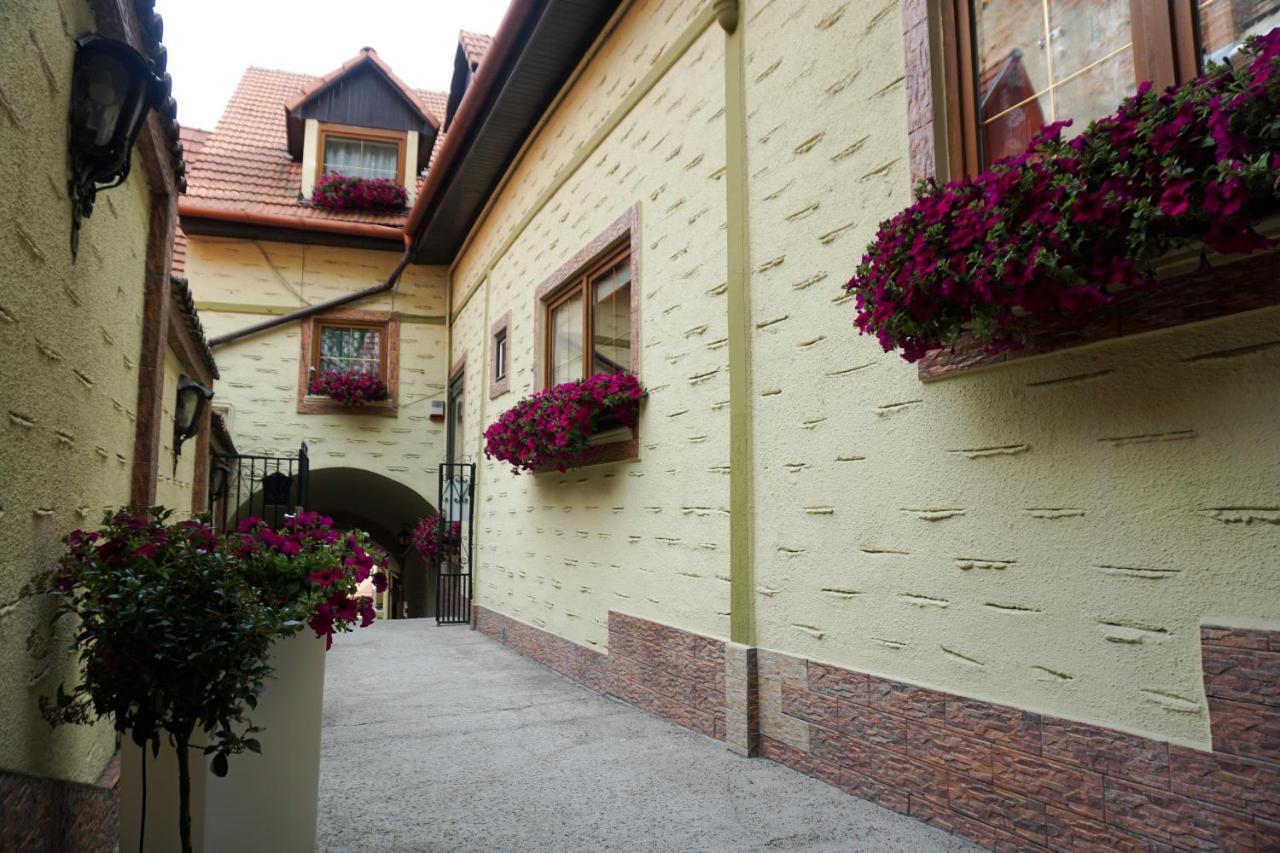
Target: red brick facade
{"type": "Point", "coordinates": [672, 673]}
{"type": "Point", "coordinates": [1002, 777]}
{"type": "Point", "coordinates": [50, 816]}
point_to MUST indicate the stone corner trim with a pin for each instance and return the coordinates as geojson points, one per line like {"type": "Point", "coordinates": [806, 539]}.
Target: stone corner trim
{"type": "Point", "coordinates": [999, 776]}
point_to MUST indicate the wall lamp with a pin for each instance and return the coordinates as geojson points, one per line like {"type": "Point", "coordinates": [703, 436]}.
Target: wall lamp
{"type": "Point", "coordinates": [113, 87]}
{"type": "Point", "coordinates": [219, 480]}
{"type": "Point", "coordinates": [192, 397]}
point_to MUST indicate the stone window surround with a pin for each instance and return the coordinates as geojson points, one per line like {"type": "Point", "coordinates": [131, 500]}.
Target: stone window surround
{"type": "Point", "coordinates": [500, 386]}
{"type": "Point", "coordinates": [309, 405]}
{"type": "Point", "coordinates": [625, 230]}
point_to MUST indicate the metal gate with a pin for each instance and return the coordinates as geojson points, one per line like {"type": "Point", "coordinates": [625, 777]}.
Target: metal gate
{"type": "Point", "coordinates": [453, 569]}
{"type": "Point", "coordinates": [270, 487]}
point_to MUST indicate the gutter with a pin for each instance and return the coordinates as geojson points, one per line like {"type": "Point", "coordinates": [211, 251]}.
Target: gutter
{"type": "Point", "coordinates": [328, 305]}
{"type": "Point", "coordinates": [505, 42]}
{"type": "Point", "coordinates": [195, 210]}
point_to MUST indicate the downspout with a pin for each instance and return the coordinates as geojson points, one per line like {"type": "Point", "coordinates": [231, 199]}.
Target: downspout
{"type": "Point", "coordinates": [321, 307]}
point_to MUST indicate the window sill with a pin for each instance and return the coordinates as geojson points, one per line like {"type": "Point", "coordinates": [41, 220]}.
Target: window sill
{"type": "Point", "coordinates": [312, 404]}
{"type": "Point", "coordinates": [1186, 294]}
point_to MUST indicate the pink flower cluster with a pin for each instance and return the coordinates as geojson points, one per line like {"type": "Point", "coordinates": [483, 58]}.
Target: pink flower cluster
{"type": "Point", "coordinates": [350, 388]}
{"type": "Point", "coordinates": [336, 191]}
{"type": "Point", "coordinates": [330, 561]}
{"type": "Point", "coordinates": [428, 542]}
{"type": "Point", "coordinates": [550, 429]}
{"type": "Point", "coordinates": [1054, 232]}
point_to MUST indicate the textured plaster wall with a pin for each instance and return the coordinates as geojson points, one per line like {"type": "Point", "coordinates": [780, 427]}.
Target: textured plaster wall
{"type": "Point", "coordinates": [174, 484]}
{"type": "Point", "coordinates": [69, 343]}
{"type": "Point", "coordinates": [1048, 534]}
{"type": "Point", "coordinates": [651, 537]}
{"type": "Point", "coordinates": [259, 383]}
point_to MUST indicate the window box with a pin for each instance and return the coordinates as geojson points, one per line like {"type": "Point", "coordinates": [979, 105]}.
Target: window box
{"type": "Point", "coordinates": [1187, 293]}
{"type": "Point", "coordinates": [350, 339]}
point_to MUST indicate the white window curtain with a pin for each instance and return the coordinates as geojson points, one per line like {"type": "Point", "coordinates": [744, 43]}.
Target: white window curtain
{"type": "Point", "coordinates": [360, 158]}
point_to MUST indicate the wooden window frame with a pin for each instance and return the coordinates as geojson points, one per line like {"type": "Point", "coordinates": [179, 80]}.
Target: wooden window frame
{"type": "Point", "coordinates": [619, 240]}
{"type": "Point", "coordinates": [623, 234]}
{"type": "Point", "coordinates": [367, 134]}
{"type": "Point", "coordinates": [388, 322]}
{"type": "Point", "coordinates": [1165, 51]}
{"type": "Point", "coordinates": [499, 385]}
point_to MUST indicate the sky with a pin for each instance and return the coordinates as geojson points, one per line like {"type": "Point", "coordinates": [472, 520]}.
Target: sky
{"type": "Point", "coordinates": [211, 42]}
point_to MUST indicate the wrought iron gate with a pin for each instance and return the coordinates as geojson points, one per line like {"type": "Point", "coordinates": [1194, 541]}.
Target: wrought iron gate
{"type": "Point", "coordinates": [270, 487]}
{"type": "Point", "coordinates": [453, 569]}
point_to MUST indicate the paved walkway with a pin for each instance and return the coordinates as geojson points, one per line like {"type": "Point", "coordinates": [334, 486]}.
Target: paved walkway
{"type": "Point", "coordinates": [441, 739]}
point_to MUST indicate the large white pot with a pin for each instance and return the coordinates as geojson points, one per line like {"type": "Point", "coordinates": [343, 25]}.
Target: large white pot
{"type": "Point", "coordinates": [266, 802]}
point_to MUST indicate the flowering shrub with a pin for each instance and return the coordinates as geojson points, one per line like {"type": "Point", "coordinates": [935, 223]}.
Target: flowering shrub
{"type": "Point", "coordinates": [428, 542]}
{"type": "Point", "coordinates": [339, 192]}
{"type": "Point", "coordinates": [1054, 231]}
{"type": "Point", "coordinates": [350, 388]}
{"type": "Point", "coordinates": [550, 429]}
{"type": "Point", "coordinates": [311, 569]}
{"type": "Point", "coordinates": [171, 635]}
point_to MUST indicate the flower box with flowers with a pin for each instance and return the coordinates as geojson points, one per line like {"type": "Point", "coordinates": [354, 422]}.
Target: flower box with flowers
{"type": "Point", "coordinates": [1069, 243]}
{"type": "Point", "coordinates": [335, 191]}
{"type": "Point", "coordinates": [554, 429]}
{"type": "Point", "coordinates": [349, 388]}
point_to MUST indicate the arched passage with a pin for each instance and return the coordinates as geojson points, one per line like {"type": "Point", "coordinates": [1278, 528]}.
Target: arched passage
{"type": "Point", "coordinates": [357, 498]}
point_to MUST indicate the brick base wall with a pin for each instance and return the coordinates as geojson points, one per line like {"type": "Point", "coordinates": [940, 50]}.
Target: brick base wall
{"type": "Point", "coordinates": [1000, 776]}
{"type": "Point", "coordinates": [668, 672]}
{"type": "Point", "coordinates": [52, 816]}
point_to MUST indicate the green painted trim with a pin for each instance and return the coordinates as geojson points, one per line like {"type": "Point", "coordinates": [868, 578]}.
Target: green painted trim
{"type": "Point", "coordinates": [705, 18]}
{"type": "Point", "coordinates": [279, 310]}
{"type": "Point", "coordinates": [742, 627]}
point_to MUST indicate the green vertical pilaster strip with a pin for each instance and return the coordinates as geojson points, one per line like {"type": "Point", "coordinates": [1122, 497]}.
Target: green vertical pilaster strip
{"type": "Point", "coordinates": [742, 627]}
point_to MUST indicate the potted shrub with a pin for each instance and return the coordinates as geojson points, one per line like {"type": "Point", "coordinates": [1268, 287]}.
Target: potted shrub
{"type": "Point", "coordinates": [552, 428]}
{"type": "Point", "coordinates": [336, 191]}
{"type": "Point", "coordinates": [350, 388]}
{"type": "Point", "coordinates": [178, 626]}
{"type": "Point", "coordinates": [1059, 230]}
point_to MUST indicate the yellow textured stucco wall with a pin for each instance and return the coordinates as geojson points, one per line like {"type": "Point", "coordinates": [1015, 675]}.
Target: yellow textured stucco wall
{"type": "Point", "coordinates": [648, 538]}
{"type": "Point", "coordinates": [174, 485]}
{"type": "Point", "coordinates": [1049, 534]}
{"type": "Point", "coordinates": [69, 343]}
{"type": "Point", "coordinates": [259, 383]}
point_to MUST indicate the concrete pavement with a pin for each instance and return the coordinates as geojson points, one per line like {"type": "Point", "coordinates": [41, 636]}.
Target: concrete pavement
{"type": "Point", "coordinates": [437, 738]}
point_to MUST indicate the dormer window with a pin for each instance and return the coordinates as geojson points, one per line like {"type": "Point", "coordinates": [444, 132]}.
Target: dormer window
{"type": "Point", "coordinates": [361, 153]}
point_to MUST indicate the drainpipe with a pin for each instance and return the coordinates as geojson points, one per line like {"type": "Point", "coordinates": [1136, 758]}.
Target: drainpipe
{"type": "Point", "coordinates": [321, 307]}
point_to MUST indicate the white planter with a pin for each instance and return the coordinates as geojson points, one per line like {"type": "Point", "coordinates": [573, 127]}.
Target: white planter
{"type": "Point", "coordinates": [266, 802]}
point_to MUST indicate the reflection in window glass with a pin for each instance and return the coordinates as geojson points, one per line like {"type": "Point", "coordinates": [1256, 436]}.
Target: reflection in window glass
{"type": "Point", "coordinates": [566, 340]}
{"type": "Point", "coordinates": [357, 350]}
{"type": "Point", "coordinates": [361, 158]}
{"type": "Point", "coordinates": [611, 321]}
{"type": "Point", "coordinates": [500, 356]}
{"type": "Point", "coordinates": [1041, 61]}
{"type": "Point", "coordinates": [1225, 24]}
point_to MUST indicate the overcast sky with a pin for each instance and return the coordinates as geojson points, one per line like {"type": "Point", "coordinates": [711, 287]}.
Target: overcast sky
{"type": "Point", "coordinates": [211, 42]}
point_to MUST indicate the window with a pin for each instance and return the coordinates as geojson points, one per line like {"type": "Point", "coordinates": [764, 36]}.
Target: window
{"type": "Point", "coordinates": [589, 323]}
{"type": "Point", "coordinates": [350, 339]}
{"type": "Point", "coordinates": [355, 349]}
{"type": "Point", "coordinates": [1225, 24]}
{"type": "Point", "coordinates": [500, 378]}
{"type": "Point", "coordinates": [360, 153]}
{"type": "Point", "coordinates": [1013, 66]}
{"type": "Point", "coordinates": [500, 356]}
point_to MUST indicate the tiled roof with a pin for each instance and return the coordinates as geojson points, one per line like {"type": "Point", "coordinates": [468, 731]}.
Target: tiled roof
{"type": "Point", "coordinates": [192, 141]}
{"type": "Point", "coordinates": [186, 305]}
{"type": "Point", "coordinates": [476, 45]}
{"type": "Point", "coordinates": [245, 165]}
{"type": "Point", "coordinates": [366, 54]}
